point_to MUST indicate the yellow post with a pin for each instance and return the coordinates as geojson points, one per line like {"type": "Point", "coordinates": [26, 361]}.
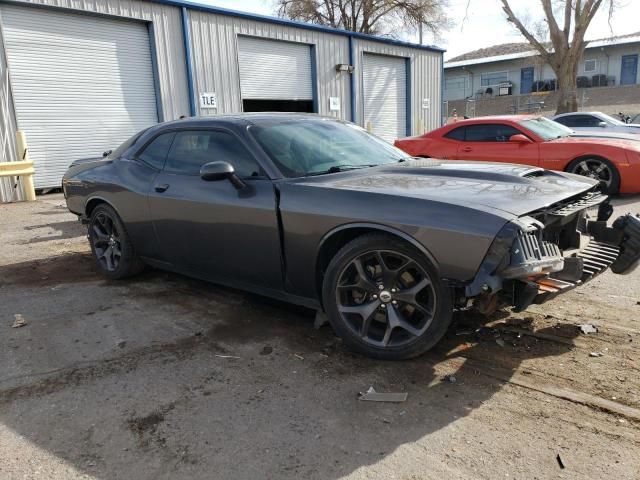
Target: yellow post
{"type": "Point", "coordinates": [23, 154]}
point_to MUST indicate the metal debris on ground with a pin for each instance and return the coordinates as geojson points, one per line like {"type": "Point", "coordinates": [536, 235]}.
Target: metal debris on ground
{"type": "Point", "coordinates": [298, 356]}
{"type": "Point", "coordinates": [560, 462]}
{"type": "Point", "coordinates": [18, 321]}
{"type": "Point", "coordinates": [500, 342]}
{"type": "Point", "coordinates": [226, 356]}
{"type": "Point", "coordinates": [266, 350]}
{"type": "Point", "coordinates": [596, 354]}
{"type": "Point", "coordinates": [372, 396]}
{"type": "Point", "coordinates": [587, 328]}
{"type": "Point", "coordinates": [450, 378]}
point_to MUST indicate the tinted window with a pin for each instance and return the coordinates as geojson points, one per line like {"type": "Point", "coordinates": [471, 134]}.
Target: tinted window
{"type": "Point", "coordinates": [490, 133]}
{"type": "Point", "coordinates": [155, 153]}
{"type": "Point", "coordinates": [579, 121]}
{"type": "Point", "coordinates": [192, 149]}
{"type": "Point", "coordinates": [456, 134]}
{"type": "Point", "coordinates": [117, 153]}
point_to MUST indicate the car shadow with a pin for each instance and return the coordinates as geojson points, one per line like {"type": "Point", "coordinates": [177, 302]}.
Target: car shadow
{"type": "Point", "coordinates": [165, 376]}
{"type": "Point", "coordinates": [60, 231]}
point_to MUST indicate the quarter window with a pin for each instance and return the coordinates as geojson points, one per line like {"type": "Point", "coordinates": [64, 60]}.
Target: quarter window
{"type": "Point", "coordinates": [192, 149]}
{"type": "Point", "coordinates": [155, 153]}
{"type": "Point", "coordinates": [490, 133]}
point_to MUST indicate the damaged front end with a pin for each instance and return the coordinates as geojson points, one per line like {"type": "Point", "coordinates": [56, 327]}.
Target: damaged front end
{"type": "Point", "coordinates": [553, 250]}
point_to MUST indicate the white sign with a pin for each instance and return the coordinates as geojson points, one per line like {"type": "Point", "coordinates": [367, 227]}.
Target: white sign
{"type": "Point", "coordinates": [208, 100]}
{"type": "Point", "coordinates": [426, 103]}
{"type": "Point", "coordinates": [334, 104]}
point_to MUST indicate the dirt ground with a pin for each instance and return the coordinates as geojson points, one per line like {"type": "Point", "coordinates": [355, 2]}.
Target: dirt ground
{"type": "Point", "coordinates": [166, 377]}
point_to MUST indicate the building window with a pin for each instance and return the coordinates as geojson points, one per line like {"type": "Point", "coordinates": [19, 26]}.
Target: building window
{"type": "Point", "coordinates": [494, 78]}
{"type": "Point", "coordinates": [590, 66]}
{"type": "Point", "coordinates": [455, 83]}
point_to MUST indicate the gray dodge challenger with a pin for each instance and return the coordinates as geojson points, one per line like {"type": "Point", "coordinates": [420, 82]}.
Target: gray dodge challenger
{"type": "Point", "coordinates": [320, 213]}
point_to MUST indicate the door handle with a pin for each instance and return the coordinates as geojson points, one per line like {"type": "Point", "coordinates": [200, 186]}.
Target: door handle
{"type": "Point", "coordinates": [161, 188]}
{"type": "Point", "coordinates": [467, 149]}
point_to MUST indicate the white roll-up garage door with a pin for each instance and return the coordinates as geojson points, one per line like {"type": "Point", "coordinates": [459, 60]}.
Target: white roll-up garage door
{"type": "Point", "coordinates": [384, 84]}
{"type": "Point", "coordinates": [274, 70]}
{"type": "Point", "coordinates": [82, 84]}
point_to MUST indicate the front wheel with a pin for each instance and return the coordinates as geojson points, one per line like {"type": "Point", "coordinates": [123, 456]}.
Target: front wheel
{"type": "Point", "coordinates": [384, 299]}
{"type": "Point", "coordinates": [598, 169]}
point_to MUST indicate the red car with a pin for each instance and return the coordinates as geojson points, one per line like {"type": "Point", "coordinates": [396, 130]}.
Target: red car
{"type": "Point", "coordinates": [533, 140]}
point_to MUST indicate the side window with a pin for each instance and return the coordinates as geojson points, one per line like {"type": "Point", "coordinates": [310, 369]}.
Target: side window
{"type": "Point", "coordinates": [192, 149]}
{"type": "Point", "coordinates": [579, 121]}
{"type": "Point", "coordinates": [155, 153]}
{"type": "Point", "coordinates": [456, 134]}
{"type": "Point", "coordinates": [490, 133]}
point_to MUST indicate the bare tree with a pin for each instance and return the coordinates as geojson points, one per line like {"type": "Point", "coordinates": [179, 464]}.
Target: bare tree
{"type": "Point", "coordinates": [567, 43]}
{"type": "Point", "coordinates": [380, 17]}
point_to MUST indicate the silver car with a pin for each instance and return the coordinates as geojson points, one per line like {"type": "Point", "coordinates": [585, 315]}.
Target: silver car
{"type": "Point", "coordinates": [595, 122]}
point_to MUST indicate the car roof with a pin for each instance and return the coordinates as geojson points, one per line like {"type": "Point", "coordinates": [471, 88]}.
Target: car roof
{"type": "Point", "coordinates": [243, 118]}
{"type": "Point", "coordinates": [570, 114]}
{"type": "Point", "coordinates": [493, 118]}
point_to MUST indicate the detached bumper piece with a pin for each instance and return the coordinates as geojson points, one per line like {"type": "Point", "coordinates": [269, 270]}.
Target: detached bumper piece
{"type": "Point", "coordinates": [616, 247]}
{"type": "Point", "coordinates": [627, 261]}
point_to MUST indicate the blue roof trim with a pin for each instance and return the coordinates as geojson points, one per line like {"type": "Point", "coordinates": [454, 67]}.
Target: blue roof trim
{"type": "Point", "coordinates": [293, 23]}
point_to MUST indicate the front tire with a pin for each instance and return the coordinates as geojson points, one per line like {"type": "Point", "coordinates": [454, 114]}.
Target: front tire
{"type": "Point", "coordinates": [384, 298]}
{"type": "Point", "coordinates": [599, 169]}
{"type": "Point", "coordinates": [110, 244]}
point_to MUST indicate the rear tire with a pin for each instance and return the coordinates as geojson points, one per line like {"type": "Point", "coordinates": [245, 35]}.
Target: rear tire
{"type": "Point", "coordinates": [599, 169]}
{"type": "Point", "coordinates": [110, 244]}
{"type": "Point", "coordinates": [384, 298]}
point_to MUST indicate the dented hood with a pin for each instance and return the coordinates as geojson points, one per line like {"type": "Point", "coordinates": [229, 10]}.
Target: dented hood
{"type": "Point", "coordinates": [515, 189]}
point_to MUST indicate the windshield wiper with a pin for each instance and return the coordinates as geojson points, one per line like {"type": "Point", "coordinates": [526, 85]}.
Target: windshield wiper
{"type": "Point", "coordinates": [340, 168]}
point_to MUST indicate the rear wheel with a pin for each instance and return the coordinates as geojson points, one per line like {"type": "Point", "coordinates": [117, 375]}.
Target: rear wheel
{"type": "Point", "coordinates": [110, 244]}
{"type": "Point", "coordinates": [384, 298]}
{"type": "Point", "coordinates": [598, 169]}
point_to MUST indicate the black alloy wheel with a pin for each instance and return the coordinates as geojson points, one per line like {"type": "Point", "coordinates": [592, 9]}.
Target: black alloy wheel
{"type": "Point", "coordinates": [386, 300]}
{"type": "Point", "coordinates": [110, 244]}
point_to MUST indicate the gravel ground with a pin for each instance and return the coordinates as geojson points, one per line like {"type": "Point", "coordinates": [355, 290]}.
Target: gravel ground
{"type": "Point", "coordinates": [162, 376]}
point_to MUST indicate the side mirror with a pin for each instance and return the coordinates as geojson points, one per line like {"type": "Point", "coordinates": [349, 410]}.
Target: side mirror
{"type": "Point", "coordinates": [214, 171]}
{"type": "Point", "coordinates": [602, 124]}
{"type": "Point", "coordinates": [520, 138]}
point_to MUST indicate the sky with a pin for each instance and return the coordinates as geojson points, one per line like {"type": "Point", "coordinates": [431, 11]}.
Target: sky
{"type": "Point", "coordinates": [483, 24]}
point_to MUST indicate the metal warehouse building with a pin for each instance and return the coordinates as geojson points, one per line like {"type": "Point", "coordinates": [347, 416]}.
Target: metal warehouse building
{"type": "Point", "coordinates": [80, 76]}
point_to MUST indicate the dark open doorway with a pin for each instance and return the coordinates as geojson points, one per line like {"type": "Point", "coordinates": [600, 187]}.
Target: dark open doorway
{"type": "Point", "coordinates": [278, 106]}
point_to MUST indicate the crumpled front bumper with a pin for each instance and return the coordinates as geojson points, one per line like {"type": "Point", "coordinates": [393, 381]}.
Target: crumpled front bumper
{"type": "Point", "coordinates": [616, 247]}
{"type": "Point", "coordinates": [536, 271]}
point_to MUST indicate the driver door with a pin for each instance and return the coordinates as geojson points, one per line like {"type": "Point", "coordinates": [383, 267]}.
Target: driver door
{"type": "Point", "coordinates": [210, 227]}
{"type": "Point", "coordinates": [490, 142]}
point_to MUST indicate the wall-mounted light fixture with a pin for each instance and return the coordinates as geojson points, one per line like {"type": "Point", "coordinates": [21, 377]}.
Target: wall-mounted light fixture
{"type": "Point", "coordinates": [343, 67]}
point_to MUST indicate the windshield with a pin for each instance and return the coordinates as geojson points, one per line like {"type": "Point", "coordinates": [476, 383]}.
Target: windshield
{"type": "Point", "coordinates": [545, 128]}
{"type": "Point", "coordinates": [303, 147]}
{"type": "Point", "coordinates": [610, 119]}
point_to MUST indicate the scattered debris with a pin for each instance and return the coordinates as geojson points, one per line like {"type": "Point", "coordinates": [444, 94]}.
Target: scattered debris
{"type": "Point", "coordinates": [560, 462]}
{"type": "Point", "coordinates": [122, 344]}
{"type": "Point", "coordinates": [266, 350]}
{"type": "Point", "coordinates": [226, 356]}
{"type": "Point", "coordinates": [500, 342]}
{"type": "Point", "coordinates": [466, 331]}
{"type": "Point", "coordinates": [298, 356]}
{"type": "Point", "coordinates": [587, 328]}
{"type": "Point", "coordinates": [372, 396]}
{"type": "Point", "coordinates": [596, 354]}
{"type": "Point", "coordinates": [450, 378]}
{"type": "Point", "coordinates": [18, 321]}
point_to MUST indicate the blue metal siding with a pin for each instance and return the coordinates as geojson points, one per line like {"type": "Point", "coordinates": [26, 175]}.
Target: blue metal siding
{"type": "Point", "coordinates": [186, 41]}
